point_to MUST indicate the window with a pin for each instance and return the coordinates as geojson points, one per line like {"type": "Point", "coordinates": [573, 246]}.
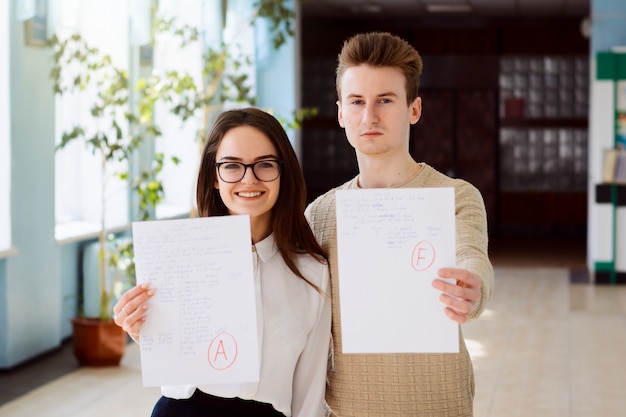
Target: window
{"type": "Point", "coordinates": [79, 187]}
{"type": "Point", "coordinates": [79, 179]}
{"type": "Point", "coordinates": [182, 139]}
{"type": "Point", "coordinates": [179, 139]}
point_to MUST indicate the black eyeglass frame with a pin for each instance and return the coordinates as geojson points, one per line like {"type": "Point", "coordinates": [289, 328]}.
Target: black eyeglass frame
{"type": "Point", "coordinates": [251, 166]}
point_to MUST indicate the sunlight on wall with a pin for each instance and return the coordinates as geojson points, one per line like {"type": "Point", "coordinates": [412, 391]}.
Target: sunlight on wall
{"type": "Point", "coordinates": [5, 130]}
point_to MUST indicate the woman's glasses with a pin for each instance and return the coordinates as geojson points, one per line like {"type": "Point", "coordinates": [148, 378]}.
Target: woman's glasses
{"type": "Point", "coordinates": [265, 171]}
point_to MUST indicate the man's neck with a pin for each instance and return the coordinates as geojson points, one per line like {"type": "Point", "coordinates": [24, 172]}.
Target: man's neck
{"type": "Point", "coordinates": [386, 173]}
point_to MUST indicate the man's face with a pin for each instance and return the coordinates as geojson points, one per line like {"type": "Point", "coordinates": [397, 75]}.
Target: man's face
{"type": "Point", "coordinates": [374, 112]}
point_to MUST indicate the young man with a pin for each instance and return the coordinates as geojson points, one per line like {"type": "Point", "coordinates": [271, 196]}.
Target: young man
{"type": "Point", "coordinates": [377, 86]}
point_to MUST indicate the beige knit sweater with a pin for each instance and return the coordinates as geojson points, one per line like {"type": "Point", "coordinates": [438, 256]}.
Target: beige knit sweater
{"type": "Point", "coordinates": [425, 385]}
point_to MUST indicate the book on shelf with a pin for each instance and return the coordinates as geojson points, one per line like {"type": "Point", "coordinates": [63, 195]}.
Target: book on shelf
{"type": "Point", "coordinates": [620, 167]}
{"type": "Point", "coordinates": [610, 160]}
{"type": "Point", "coordinates": [614, 169]}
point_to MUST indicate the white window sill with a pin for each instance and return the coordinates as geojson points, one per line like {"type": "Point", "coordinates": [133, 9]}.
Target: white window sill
{"type": "Point", "coordinates": [7, 253]}
{"type": "Point", "coordinates": [170, 211]}
{"type": "Point", "coordinates": [78, 231]}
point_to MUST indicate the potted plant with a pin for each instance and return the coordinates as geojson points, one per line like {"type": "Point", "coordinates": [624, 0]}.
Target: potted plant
{"type": "Point", "coordinates": [98, 341]}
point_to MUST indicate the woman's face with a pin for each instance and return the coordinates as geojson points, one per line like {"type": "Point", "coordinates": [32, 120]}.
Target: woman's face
{"type": "Point", "coordinates": [248, 195]}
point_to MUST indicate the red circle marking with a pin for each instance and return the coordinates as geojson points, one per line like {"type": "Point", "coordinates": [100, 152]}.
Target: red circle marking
{"type": "Point", "coordinates": [423, 256]}
{"type": "Point", "coordinates": [223, 351]}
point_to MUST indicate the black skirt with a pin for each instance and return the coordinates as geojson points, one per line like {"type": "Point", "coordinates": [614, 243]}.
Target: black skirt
{"type": "Point", "coordinates": [201, 404]}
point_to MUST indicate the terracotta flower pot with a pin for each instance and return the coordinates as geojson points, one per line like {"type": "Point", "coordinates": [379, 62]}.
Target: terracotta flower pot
{"type": "Point", "coordinates": [98, 343]}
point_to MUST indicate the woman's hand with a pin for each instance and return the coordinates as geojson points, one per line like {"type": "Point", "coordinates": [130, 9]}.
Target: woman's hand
{"type": "Point", "coordinates": [130, 310]}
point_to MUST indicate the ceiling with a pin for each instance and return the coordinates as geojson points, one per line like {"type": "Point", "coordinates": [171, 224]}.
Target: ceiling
{"type": "Point", "coordinates": [408, 9]}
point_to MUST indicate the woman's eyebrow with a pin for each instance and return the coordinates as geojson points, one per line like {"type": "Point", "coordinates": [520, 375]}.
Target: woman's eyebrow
{"type": "Point", "coordinates": [269, 156]}
{"type": "Point", "coordinates": [258, 158]}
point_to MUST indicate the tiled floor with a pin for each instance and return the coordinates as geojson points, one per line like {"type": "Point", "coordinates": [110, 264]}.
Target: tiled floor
{"type": "Point", "coordinates": [544, 347]}
{"type": "Point", "coordinates": [89, 392]}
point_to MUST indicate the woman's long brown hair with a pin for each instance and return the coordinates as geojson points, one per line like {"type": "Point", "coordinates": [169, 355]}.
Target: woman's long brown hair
{"type": "Point", "coordinates": [291, 230]}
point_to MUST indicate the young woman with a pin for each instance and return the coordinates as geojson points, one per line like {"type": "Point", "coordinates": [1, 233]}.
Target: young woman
{"type": "Point", "coordinates": [249, 167]}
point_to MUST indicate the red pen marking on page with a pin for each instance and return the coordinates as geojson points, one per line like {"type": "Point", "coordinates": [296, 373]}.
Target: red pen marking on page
{"type": "Point", "coordinates": [223, 351]}
{"type": "Point", "coordinates": [423, 256]}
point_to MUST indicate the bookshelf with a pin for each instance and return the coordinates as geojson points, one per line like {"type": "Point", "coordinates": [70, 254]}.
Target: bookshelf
{"type": "Point", "coordinates": [543, 123]}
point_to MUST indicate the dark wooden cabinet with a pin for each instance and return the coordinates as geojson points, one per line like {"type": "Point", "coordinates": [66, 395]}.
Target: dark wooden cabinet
{"type": "Point", "coordinates": [457, 135]}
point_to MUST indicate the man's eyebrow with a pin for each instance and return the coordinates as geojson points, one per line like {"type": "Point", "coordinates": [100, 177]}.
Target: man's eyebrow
{"type": "Point", "coordinates": [386, 94]}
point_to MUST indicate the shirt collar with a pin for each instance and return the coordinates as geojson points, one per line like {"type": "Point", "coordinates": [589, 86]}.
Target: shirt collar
{"type": "Point", "coordinates": [266, 248]}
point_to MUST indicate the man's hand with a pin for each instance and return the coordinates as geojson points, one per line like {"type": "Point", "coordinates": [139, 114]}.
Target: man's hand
{"type": "Point", "coordinates": [459, 298]}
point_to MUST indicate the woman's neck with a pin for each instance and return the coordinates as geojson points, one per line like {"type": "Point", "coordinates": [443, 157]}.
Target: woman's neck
{"type": "Point", "coordinates": [259, 229]}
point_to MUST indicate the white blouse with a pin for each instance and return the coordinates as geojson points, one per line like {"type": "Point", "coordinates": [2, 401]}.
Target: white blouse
{"type": "Point", "coordinates": [294, 337]}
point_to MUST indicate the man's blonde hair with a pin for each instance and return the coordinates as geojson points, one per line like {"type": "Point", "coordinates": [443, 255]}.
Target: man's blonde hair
{"type": "Point", "coordinates": [381, 49]}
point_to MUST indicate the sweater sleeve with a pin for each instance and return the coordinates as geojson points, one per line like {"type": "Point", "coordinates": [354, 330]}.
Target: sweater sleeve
{"type": "Point", "coordinates": [472, 241]}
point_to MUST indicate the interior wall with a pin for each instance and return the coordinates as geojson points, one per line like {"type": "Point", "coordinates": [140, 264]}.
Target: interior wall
{"type": "Point", "coordinates": [32, 280]}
